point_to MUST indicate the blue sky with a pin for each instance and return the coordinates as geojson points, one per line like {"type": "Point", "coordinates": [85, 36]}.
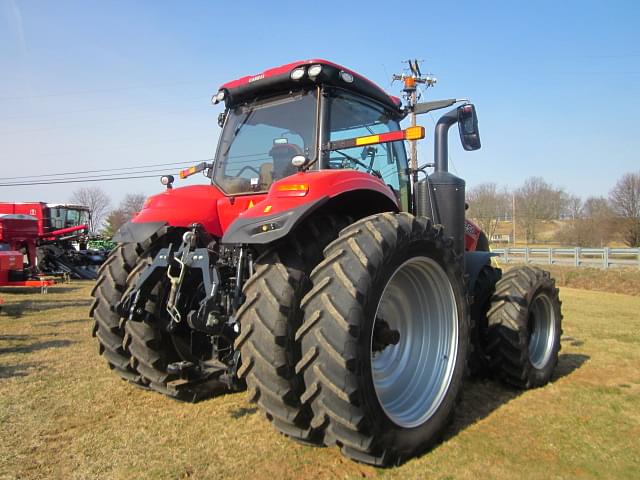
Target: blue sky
{"type": "Point", "coordinates": [94, 84]}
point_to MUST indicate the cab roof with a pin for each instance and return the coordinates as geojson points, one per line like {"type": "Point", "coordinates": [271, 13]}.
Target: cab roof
{"type": "Point", "coordinates": [279, 79]}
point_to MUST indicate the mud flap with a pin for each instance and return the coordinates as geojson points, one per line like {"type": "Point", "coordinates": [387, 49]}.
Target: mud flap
{"type": "Point", "coordinates": [473, 263]}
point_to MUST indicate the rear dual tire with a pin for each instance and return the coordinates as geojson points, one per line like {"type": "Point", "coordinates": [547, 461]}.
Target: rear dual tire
{"type": "Point", "coordinates": [109, 327]}
{"type": "Point", "coordinates": [269, 319]}
{"type": "Point", "coordinates": [524, 327]}
{"type": "Point", "coordinates": [382, 402]}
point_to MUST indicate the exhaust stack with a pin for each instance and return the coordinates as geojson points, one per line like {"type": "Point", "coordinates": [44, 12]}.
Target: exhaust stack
{"type": "Point", "coordinates": [441, 195]}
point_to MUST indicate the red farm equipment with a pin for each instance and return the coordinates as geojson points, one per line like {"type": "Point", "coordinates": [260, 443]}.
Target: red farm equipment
{"type": "Point", "coordinates": [318, 270]}
{"type": "Point", "coordinates": [18, 239]}
{"type": "Point", "coordinates": [62, 238]}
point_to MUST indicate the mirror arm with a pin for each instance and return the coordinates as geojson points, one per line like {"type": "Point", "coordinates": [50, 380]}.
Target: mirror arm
{"type": "Point", "coordinates": [426, 107]}
{"type": "Point", "coordinates": [441, 143]}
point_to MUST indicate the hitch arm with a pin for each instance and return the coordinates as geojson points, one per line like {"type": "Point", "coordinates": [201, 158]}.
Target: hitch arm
{"type": "Point", "coordinates": [131, 304]}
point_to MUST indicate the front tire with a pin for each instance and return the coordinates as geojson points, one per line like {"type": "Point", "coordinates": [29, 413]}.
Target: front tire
{"type": "Point", "coordinates": [380, 396]}
{"type": "Point", "coordinates": [524, 323]}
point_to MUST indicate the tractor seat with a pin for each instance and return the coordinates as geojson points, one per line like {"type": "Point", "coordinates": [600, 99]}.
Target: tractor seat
{"type": "Point", "coordinates": [233, 185]}
{"type": "Point", "coordinates": [281, 153]}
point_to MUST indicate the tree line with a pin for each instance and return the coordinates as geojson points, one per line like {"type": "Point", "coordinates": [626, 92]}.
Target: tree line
{"type": "Point", "coordinates": [592, 222]}
{"type": "Point", "coordinates": [104, 220]}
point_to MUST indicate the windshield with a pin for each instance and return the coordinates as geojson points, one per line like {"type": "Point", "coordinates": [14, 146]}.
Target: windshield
{"type": "Point", "coordinates": [62, 217]}
{"type": "Point", "coordinates": [259, 141]}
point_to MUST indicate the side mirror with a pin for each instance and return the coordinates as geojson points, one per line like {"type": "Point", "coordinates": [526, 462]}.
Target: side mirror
{"type": "Point", "coordinates": [468, 125]}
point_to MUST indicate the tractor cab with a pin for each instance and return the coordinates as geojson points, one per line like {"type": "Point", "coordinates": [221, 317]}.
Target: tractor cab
{"type": "Point", "coordinates": [297, 118]}
{"type": "Point", "coordinates": [64, 215]}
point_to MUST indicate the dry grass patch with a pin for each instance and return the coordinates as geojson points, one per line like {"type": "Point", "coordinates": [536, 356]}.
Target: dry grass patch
{"type": "Point", "coordinates": [64, 415]}
{"type": "Point", "coordinates": [613, 280]}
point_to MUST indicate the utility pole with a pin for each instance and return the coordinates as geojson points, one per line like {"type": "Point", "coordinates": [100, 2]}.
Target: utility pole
{"type": "Point", "coordinates": [410, 82]}
{"type": "Point", "coordinates": [513, 217]}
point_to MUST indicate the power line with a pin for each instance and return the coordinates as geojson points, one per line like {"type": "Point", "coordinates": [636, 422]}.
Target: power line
{"type": "Point", "coordinates": [105, 122]}
{"type": "Point", "coordinates": [118, 146]}
{"type": "Point", "coordinates": [86, 92]}
{"type": "Point", "coordinates": [74, 181]}
{"type": "Point", "coordinates": [151, 165]}
{"type": "Point", "coordinates": [105, 176]}
{"type": "Point", "coordinates": [121, 108]}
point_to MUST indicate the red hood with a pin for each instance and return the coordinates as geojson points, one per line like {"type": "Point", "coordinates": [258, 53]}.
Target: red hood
{"type": "Point", "coordinates": [204, 204]}
{"type": "Point", "coordinates": [180, 207]}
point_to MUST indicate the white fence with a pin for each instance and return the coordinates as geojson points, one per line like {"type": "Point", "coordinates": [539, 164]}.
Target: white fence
{"type": "Point", "coordinates": [575, 257]}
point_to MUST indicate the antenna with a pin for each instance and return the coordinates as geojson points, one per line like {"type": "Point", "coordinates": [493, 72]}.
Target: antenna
{"type": "Point", "coordinates": [411, 80]}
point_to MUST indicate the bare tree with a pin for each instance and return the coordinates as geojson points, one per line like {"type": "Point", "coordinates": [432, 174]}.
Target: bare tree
{"type": "Point", "coordinates": [625, 200]}
{"type": "Point", "coordinates": [98, 203]}
{"type": "Point", "coordinates": [574, 206]}
{"type": "Point", "coordinates": [597, 207]}
{"type": "Point", "coordinates": [594, 227]}
{"type": "Point", "coordinates": [538, 201]}
{"type": "Point", "coordinates": [130, 205]}
{"type": "Point", "coordinates": [487, 204]}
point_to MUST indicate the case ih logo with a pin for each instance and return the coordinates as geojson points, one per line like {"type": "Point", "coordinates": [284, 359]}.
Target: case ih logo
{"type": "Point", "coordinates": [256, 78]}
{"type": "Point", "coordinates": [471, 229]}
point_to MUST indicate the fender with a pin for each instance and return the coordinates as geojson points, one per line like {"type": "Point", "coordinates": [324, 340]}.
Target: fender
{"type": "Point", "coordinates": [183, 206]}
{"type": "Point", "coordinates": [132, 232]}
{"type": "Point", "coordinates": [473, 263]}
{"type": "Point", "coordinates": [290, 200]}
{"type": "Point", "coordinates": [177, 207]}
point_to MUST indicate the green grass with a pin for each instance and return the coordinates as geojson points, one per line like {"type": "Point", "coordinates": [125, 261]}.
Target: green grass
{"type": "Point", "coordinates": [64, 415]}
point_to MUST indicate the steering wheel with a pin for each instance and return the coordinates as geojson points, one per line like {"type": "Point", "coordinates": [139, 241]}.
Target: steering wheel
{"type": "Point", "coordinates": [371, 153]}
{"type": "Point", "coordinates": [247, 167]}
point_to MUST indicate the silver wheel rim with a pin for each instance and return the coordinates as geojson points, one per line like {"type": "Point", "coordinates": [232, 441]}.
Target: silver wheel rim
{"type": "Point", "coordinates": [412, 378]}
{"type": "Point", "coordinates": [542, 330]}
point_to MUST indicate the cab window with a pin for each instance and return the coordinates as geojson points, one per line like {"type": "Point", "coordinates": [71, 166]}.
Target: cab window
{"type": "Point", "coordinates": [354, 117]}
{"type": "Point", "coordinates": [259, 141]}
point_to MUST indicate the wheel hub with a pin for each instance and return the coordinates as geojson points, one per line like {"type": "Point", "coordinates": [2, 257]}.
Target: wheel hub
{"type": "Point", "coordinates": [542, 330]}
{"type": "Point", "coordinates": [414, 342]}
{"type": "Point", "coordinates": [383, 336]}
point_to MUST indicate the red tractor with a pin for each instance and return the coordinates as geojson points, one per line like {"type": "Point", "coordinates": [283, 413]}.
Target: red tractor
{"type": "Point", "coordinates": [318, 271]}
{"type": "Point", "coordinates": [61, 238]}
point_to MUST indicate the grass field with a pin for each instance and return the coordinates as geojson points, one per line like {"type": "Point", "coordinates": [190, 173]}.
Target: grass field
{"type": "Point", "coordinates": [614, 280]}
{"type": "Point", "coordinates": [64, 415]}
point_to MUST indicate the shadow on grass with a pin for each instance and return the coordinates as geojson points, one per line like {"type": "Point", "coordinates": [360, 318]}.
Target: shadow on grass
{"type": "Point", "coordinates": [53, 289]}
{"type": "Point", "coordinates": [17, 309]}
{"type": "Point", "coordinates": [18, 370]}
{"type": "Point", "coordinates": [242, 412]}
{"type": "Point", "coordinates": [24, 369]}
{"type": "Point", "coordinates": [568, 363]}
{"type": "Point", "coordinates": [58, 323]}
{"type": "Point", "coordinates": [481, 396]}
{"type": "Point", "coordinates": [34, 347]}
{"type": "Point", "coordinates": [13, 338]}
{"type": "Point", "coordinates": [65, 288]}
